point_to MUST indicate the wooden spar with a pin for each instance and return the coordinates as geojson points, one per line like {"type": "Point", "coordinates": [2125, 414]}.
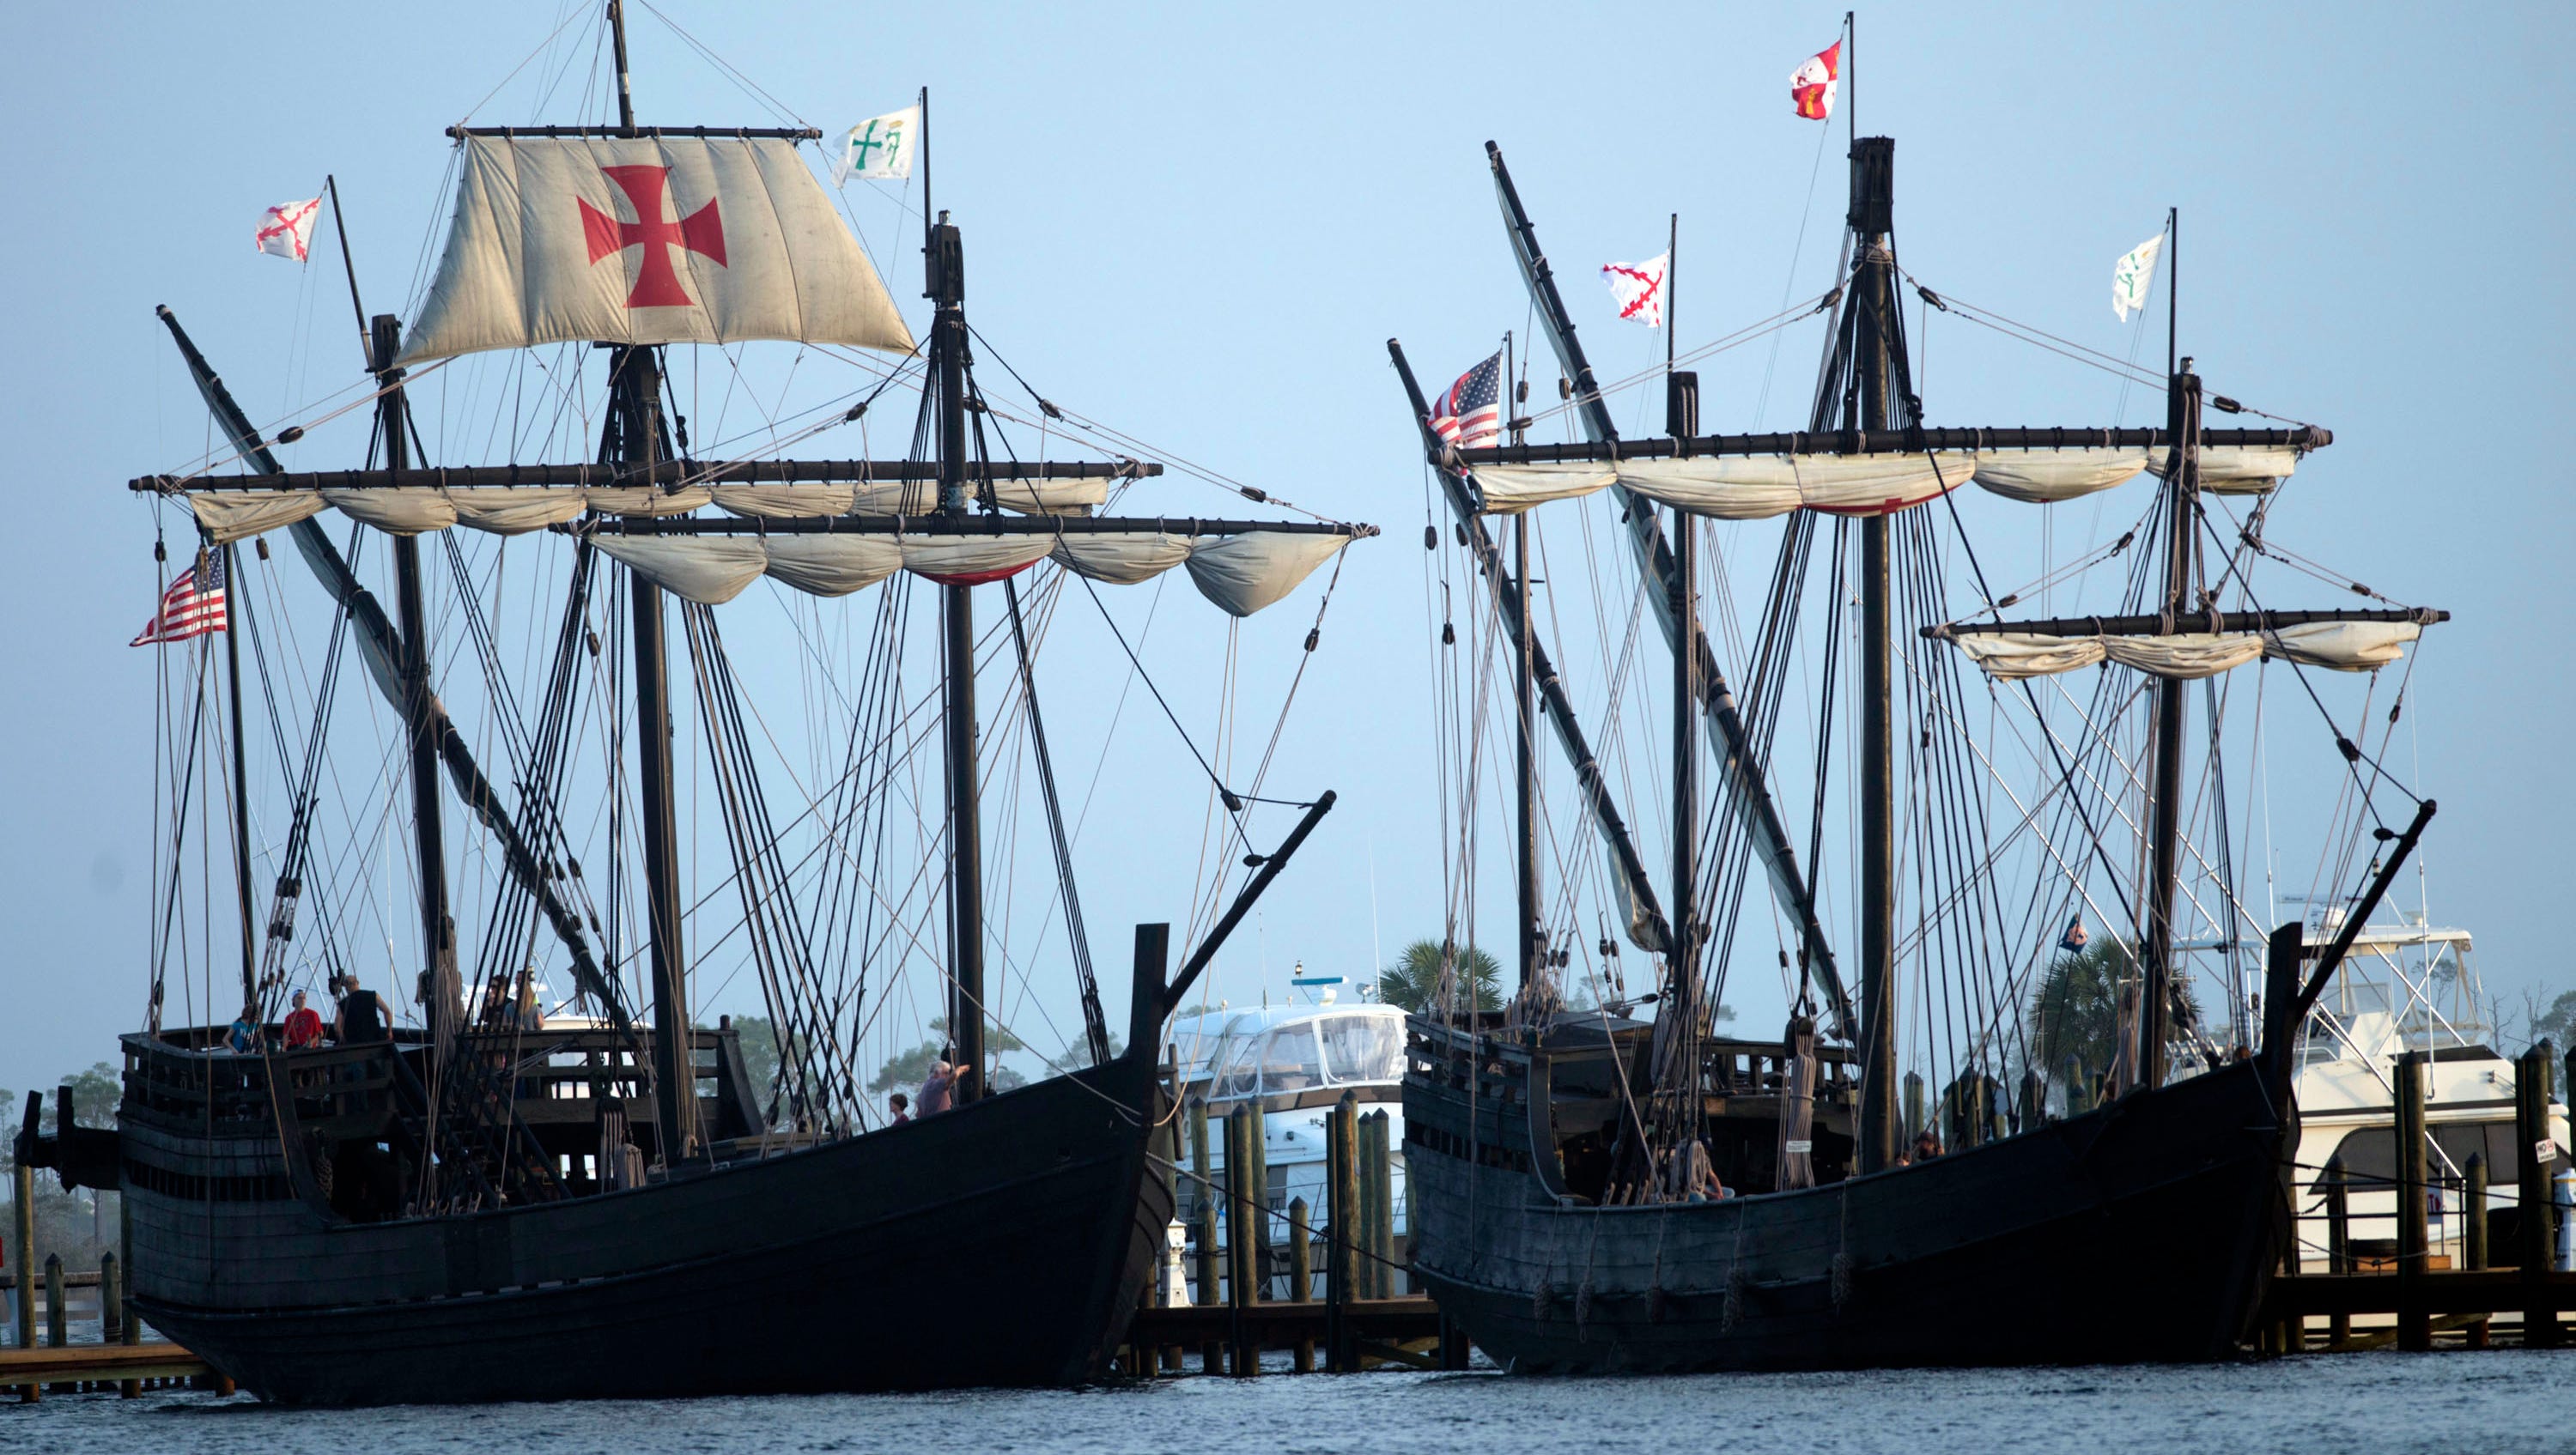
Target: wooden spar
{"type": "Point", "coordinates": [635, 433]}
{"type": "Point", "coordinates": [2332, 956]}
{"type": "Point", "coordinates": [381, 647]}
{"type": "Point", "coordinates": [234, 595]}
{"type": "Point", "coordinates": [2212, 620]}
{"type": "Point", "coordinates": [1570, 737]}
{"type": "Point", "coordinates": [1271, 865]}
{"type": "Point", "coordinates": [2165, 784]}
{"type": "Point", "coordinates": [1896, 440]}
{"type": "Point", "coordinates": [440, 994]}
{"type": "Point", "coordinates": [946, 267]}
{"type": "Point", "coordinates": [721, 133]}
{"type": "Point", "coordinates": [1873, 166]}
{"type": "Point", "coordinates": [1737, 760]}
{"type": "Point", "coordinates": [612, 473]}
{"type": "Point", "coordinates": [944, 525]}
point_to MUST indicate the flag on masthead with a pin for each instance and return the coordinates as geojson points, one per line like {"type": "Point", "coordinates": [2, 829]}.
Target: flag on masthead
{"type": "Point", "coordinates": [2133, 275]}
{"type": "Point", "coordinates": [1813, 86]}
{"type": "Point", "coordinates": [880, 146]}
{"type": "Point", "coordinates": [1470, 415]}
{"type": "Point", "coordinates": [287, 228]}
{"type": "Point", "coordinates": [192, 607]}
{"type": "Point", "coordinates": [1638, 288]}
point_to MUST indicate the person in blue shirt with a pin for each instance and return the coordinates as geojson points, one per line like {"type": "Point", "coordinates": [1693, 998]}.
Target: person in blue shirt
{"type": "Point", "coordinates": [245, 1036]}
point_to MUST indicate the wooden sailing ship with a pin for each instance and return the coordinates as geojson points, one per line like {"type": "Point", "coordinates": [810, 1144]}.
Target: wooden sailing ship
{"type": "Point", "coordinates": [1597, 1193]}
{"type": "Point", "coordinates": [484, 1207]}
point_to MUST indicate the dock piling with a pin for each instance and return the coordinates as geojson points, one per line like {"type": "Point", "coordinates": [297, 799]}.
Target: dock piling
{"type": "Point", "coordinates": [1301, 1274]}
{"type": "Point", "coordinates": [2414, 1324]}
{"type": "Point", "coordinates": [1211, 1355]}
{"type": "Point", "coordinates": [1240, 1243]}
{"type": "Point", "coordinates": [2531, 1117]}
{"type": "Point", "coordinates": [2338, 1243]}
{"type": "Point", "coordinates": [2473, 1232]}
{"type": "Point", "coordinates": [23, 1193]}
{"type": "Point", "coordinates": [1340, 1212]}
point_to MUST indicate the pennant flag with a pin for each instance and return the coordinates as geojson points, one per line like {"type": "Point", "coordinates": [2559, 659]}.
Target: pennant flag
{"type": "Point", "coordinates": [879, 147]}
{"type": "Point", "coordinates": [1471, 413]}
{"type": "Point", "coordinates": [2133, 275]}
{"type": "Point", "coordinates": [1813, 86]}
{"type": "Point", "coordinates": [1638, 288]}
{"type": "Point", "coordinates": [192, 607]}
{"type": "Point", "coordinates": [287, 228]}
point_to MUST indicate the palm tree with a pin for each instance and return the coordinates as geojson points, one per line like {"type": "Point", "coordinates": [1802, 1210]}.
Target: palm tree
{"type": "Point", "coordinates": [1415, 976]}
{"type": "Point", "coordinates": [2076, 1010]}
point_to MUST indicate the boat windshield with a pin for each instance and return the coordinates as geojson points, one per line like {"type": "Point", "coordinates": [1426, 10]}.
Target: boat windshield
{"type": "Point", "coordinates": [1282, 1060]}
{"type": "Point", "coordinates": [1364, 1047]}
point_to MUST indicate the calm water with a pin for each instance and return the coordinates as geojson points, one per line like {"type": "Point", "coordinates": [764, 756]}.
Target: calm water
{"type": "Point", "coordinates": [2498, 1403]}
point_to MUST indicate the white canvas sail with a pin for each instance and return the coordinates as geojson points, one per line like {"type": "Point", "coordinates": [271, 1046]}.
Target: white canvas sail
{"type": "Point", "coordinates": [1757, 487]}
{"type": "Point", "coordinates": [2343, 646]}
{"type": "Point", "coordinates": [645, 240]}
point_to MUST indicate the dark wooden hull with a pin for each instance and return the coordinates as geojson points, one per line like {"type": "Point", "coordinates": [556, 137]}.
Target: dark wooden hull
{"type": "Point", "coordinates": [1005, 1243]}
{"type": "Point", "coordinates": [2138, 1233]}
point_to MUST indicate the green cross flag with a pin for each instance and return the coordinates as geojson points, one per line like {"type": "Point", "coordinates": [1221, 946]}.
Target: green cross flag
{"type": "Point", "coordinates": [880, 146]}
{"type": "Point", "coordinates": [2133, 275]}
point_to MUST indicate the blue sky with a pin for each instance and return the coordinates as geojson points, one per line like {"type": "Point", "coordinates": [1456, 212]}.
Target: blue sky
{"type": "Point", "coordinates": [1201, 224]}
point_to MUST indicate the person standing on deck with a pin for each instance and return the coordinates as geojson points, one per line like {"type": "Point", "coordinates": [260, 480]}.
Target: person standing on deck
{"type": "Point", "coordinates": [938, 1088]}
{"type": "Point", "coordinates": [244, 1038]}
{"type": "Point", "coordinates": [362, 1015]}
{"type": "Point", "coordinates": [900, 1103]}
{"type": "Point", "coordinates": [303, 1029]}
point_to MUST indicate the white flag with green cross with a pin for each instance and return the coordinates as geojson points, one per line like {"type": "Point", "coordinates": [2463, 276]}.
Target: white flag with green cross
{"type": "Point", "coordinates": [880, 146]}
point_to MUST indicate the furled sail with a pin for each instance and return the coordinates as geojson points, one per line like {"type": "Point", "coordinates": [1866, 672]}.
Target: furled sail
{"type": "Point", "coordinates": [1241, 572]}
{"type": "Point", "coordinates": [2344, 646]}
{"type": "Point", "coordinates": [1757, 487]}
{"type": "Point", "coordinates": [647, 240]}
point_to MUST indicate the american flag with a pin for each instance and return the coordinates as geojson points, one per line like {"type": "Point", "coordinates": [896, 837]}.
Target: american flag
{"type": "Point", "coordinates": [192, 607]}
{"type": "Point", "coordinates": [1471, 413]}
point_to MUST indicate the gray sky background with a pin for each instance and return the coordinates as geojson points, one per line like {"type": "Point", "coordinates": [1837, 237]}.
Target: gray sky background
{"type": "Point", "coordinates": [1200, 224]}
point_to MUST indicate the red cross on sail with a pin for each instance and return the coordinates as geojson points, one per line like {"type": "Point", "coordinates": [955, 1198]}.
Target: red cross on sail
{"type": "Point", "coordinates": [657, 283]}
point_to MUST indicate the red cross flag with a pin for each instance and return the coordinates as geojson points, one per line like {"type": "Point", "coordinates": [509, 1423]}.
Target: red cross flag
{"type": "Point", "coordinates": [647, 240]}
{"type": "Point", "coordinates": [287, 228]}
{"type": "Point", "coordinates": [1813, 87]}
{"type": "Point", "coordinates": [1638, 288]}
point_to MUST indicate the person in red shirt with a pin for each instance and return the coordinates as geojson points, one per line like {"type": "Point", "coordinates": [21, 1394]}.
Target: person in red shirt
{"type": "Point", "coordinates": [303, 1025]}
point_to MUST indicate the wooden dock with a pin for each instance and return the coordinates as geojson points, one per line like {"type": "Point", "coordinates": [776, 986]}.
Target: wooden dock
{"type": "Point", "coordinates": [1403, 1330]}
{"type": "Point", "coordinates": [129, 1368]}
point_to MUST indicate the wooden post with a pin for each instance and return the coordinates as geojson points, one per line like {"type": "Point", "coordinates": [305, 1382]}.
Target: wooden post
{"type": "Point", "coordinates": [2414, 1324]}
{"type": "Point", "coordinates": [1301, 1275]}
{"type": "Point", "coordinates": [1341, 1210]}
{"type": "Point", "coordinates": [2079, 1087]}
{"type": "Point", "coordinates": [1913, 1107]}
{"type": "Point", "coordinates": [23, 1264]}
{"type": "Point", "coordinates": [2531, 1119]}
{"type": "Point", "coordinates": [2338, 1243]}
{"type": "Point", "coordinates": [57, 1317]}
{"type": "Point", "coordinates": [1257, 1185]}
{"type": "Point", "coordinates": [1211, 1356]}
{"type": "Point", "coordinates": [1239, 1240]}
{"type": "Point", "coordinates": [2473, 1231]}
{"type": "Point", "coordinates": [1381, 1164]}
{"type": "Point", "coordinates": [110, 1312]}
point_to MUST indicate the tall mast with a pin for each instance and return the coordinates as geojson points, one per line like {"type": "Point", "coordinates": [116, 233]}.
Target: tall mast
{"type": "Point", "coordinates": [2182, 424]}
{"type": "Point", "coordinates": [441, 995]}
{"type": "Point", "coordinates": [1681, 407]}
{"type": "Point", "coordinates": [946, 261]}
{"type": "Point", "coordinates": [1525, 761]}
{"type": "Point", "coordinates": [1872, 217]}
{"type": "Point", "coordinates": [635, 437]}
{"type": "Point", "coordinates": [625, 88]}
{"type": "Point", "coordinates": [241, 781]}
